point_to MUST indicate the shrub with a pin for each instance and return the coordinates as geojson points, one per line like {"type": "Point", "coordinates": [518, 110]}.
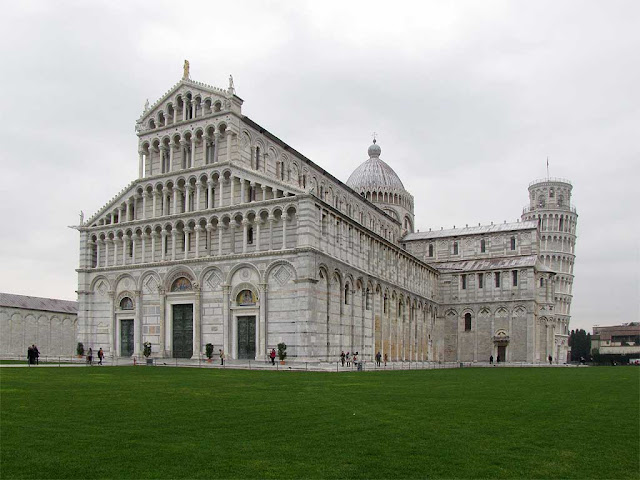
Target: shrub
{"type": "Point", "coordinates": [282, 351]}
{"type": "Point", "coordinates": [209, 350]}
{"type": "Point", "coordinates": [80, 349]}
{"type": "Point", "coordinates": [147, 349]}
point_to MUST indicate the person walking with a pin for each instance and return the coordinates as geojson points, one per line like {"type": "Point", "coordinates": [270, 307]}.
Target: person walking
{"type": "Point", "coordinates": [491, 360]}
{"type": "Point", "coordinates": [29, 355]}
{"type": "Point", "coordinates": [90, 357]}
{"type": "Point", "coordinates": [100, 356]}
{"type": "Point", "coordinates": [272, 356]}
{"type": "Point", "coordinates": [348, 355]}
{"type": "Point", "coordinates": [378, 357]}
{"type": "Point", "coordinates": [221, 356]}
{"type": "Point", "coordinates": [386, 359]}
{"type": "Point", "coordinates": [550, 360]}
{"type": "Point", "coordinates": [36, 354]}
{"type": "Point", "coordinates": [342, 358]}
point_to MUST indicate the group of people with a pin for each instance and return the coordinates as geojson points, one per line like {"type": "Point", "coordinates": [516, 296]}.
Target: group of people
{"type": "Point", "coordinates": [90, 356]}
{"type": "Point", "coordinates": [379, 359]}
{"type": "Point", "coordinates": [348, 358]}
{"type": "Point", "coordinates": [32, 355]}
{"type": "Point", "coordinates": [498, 359]}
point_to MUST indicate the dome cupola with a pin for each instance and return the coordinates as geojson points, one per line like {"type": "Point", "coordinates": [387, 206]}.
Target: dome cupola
{"type": "Point", "coordinates": [380, 184]}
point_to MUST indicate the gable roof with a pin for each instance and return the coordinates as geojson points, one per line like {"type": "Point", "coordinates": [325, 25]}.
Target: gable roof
{"type": "Point", "coordinates": [479, 230]}
{"type": "Point", "coordinates": [38, 303]}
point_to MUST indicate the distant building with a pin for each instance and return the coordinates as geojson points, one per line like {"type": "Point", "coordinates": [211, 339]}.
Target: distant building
{"type": "Point", "coordinates": [49, 323]}
{"type": "Point", "coordinates": [617, 340]}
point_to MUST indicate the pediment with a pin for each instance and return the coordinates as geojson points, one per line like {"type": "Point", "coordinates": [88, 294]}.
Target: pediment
{"type": "Point", "coordinates": [159, 112]}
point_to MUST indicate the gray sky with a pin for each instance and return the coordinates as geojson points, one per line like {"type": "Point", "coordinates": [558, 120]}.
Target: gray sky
{"type": "Point", "coordinates": [468, 99]}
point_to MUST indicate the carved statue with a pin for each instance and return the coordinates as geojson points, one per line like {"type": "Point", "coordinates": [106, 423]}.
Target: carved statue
{"type": "Point", "coordinates": [185, 73]}
{"type": "Point", "coordinates": [81, 217]}
{"type": "Point", "coordinates": [146, 105]}
{"type": "Point", "coordinates": [231, 90]}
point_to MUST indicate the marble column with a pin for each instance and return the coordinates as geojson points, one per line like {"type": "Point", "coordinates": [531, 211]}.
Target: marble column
{"type": "Point", "coordinates": [209, 193]}
{"type": "Point", "coordinates": [197, 323]}
{"type": "Point", "coordinates": [262, 325]}
{"type": "Point", "coordinates": [137, 333]}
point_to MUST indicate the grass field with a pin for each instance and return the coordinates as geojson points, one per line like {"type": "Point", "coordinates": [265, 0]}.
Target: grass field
{"type": "Point", "coordinates": [142, 422]}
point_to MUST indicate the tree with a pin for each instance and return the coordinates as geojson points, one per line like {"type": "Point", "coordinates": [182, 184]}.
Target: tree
{"type": "Point", "coordinates": [580, 344]}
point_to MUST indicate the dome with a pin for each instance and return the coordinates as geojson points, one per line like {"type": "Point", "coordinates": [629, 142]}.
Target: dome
{"type": "Point", "coordinates": [374, 174]}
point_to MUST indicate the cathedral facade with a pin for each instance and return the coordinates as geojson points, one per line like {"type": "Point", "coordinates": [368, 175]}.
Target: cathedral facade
{"type": "Point", "coordinates": [231, 237]}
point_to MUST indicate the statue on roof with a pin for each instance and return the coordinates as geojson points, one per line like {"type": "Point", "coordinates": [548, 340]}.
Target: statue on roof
{"type": "Point", "coordinates": [146, 105]}
{"type": "Point", "coordinates": [81, 217]}
{"type": "Point", "coordinates": [231, 89]}
{"type": "Point", "coordinates": [185, 73]}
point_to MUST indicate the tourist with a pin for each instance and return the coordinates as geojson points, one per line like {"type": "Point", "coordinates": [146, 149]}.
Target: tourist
{"type": "Point", "coordinates": [100, 355]}
{"type": "Point", "coordinates": [348, 359]}
{"type": "Point", "coordinates": [550, 359]}
{"type": "Point", "coordinates": [221, 356]}
{"type": "Point", "coordinates": [498, 359]}
{"type": "Point", "coordinates": [378, 357]}
{"type": "Point", "coordinates": [386, 359]}
{"type": "Point", "coordinates": [90, 357]}
{"type": "Point", "coordinates": [29, 355]}
{"type": "Point", "coordinates": [490, 359]}
{"type": "Point", "coordinates": [355, 359]}
{"type": "Point", "coordinates": [272, 355]}
{"type": "Point", "coordinates": [36, 354]}
{"type": "Point", "coordinates": [342, 358]}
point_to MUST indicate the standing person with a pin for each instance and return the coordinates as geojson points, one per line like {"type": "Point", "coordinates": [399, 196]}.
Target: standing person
{"type": "Point", "coordinates": [355, 359]}
{"type": "Point", "coordinates": [221, 356]}
{"type": "Point", "coordinates": [342, 358]}
{"type": "Point", "coordinates": [491, 360]}
{"type": "Point", "coordinates": [272, 356]}
{"type": "Point", "coordinates": [378, 357]}
{"type": "Point", "coordinates": [386, 359]}
{"type": "Point", "coordinates": [90, 356]}
{"type": "Point", "coordinates": [36, 354]}
{"type": "Point", "coordinates": [348, 359]}
{"type": "Point", "coordinates": [29, 355]}
{"type": "Point", "coordinates": [100, 355]}
{"type": "Point", "coordinates": [498, 359]}
{"type": "Point", "coordinates": [550, 359]}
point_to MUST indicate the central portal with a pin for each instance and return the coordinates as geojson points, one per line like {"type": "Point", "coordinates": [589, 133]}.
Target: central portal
{"type": "Point", "coordinates": [247, 337]}
{"type": "Point", "coordinates": [183, 331]}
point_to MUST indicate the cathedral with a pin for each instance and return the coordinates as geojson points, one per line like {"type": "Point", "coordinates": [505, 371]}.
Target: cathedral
{"type": "Point", "coordinates": [231, 237]}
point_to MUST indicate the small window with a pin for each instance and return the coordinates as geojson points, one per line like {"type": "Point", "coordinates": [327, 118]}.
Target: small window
{"type": "Point", "coordinates": [368, 300]}
{"type": "Point", "coordinates": [250, 236]}
{"type": "Point", "coordinates": [464, 281]}
{"type": "Point", "coordinates": [483, 246]}
{"type": "Point", "coordinates": [467, 322]}
{"type": "Point", "coordinates": [455, 248]}
{"type": "Point", "coordinates": [497, 277]}
{"type": "Point", "coordinates": [481, 280]}
{"type": "Point", "coordinates": [542, 282]}
{"type": "Point", "coordinates": [346, 294]}
{"type": "Point", "coordinates": [513, 243]}
{"type": "Point", "coordinates": [431, 250]}
{"type": "Point", "coordinates": [514, 276]}
{"type": "Point", "coordinates": [257, 158]}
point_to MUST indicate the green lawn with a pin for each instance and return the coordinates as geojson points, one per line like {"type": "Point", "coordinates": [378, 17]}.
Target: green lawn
{"type": "Point", "coordinates": [143, 422]}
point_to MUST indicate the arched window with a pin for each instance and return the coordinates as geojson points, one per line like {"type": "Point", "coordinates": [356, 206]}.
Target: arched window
{"type": "Point", "coordinates": [181, 284]}
{"type": "Point", "coordinates": [245, 298]}
{"type": "Point", "coordinates": [250, 236]}
{"type": "Point", "coordinates": [455, 248]}
{"type": "Point", "coordinates": [126, 304]}
{"type": "Point", "coordinates": [467, 322]}
{"type": "Point", "coordinates": [431, 249]}
{"type": "Point", "coordinates": [257, 158]}
{"type": "Point", "coordinates": [368, 300]}
{"type": "Point", "coordinates": [483, 246]}
{"type": "Point", "coordinates": [513, 243]}
{"type": "Point", "coordinates": [346, 294]}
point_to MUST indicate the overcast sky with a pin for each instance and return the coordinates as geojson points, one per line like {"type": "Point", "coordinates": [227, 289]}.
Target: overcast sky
{"type": "Point", "coordinates": [467, 98]}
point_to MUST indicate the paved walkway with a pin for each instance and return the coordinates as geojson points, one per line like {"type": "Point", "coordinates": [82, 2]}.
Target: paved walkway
{"type": "Point", "coordinates": [288, 366]}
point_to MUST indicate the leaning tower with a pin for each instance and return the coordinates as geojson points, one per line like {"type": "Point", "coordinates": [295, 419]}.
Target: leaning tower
{"type": "Point", "coordinates": [550, 205]}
